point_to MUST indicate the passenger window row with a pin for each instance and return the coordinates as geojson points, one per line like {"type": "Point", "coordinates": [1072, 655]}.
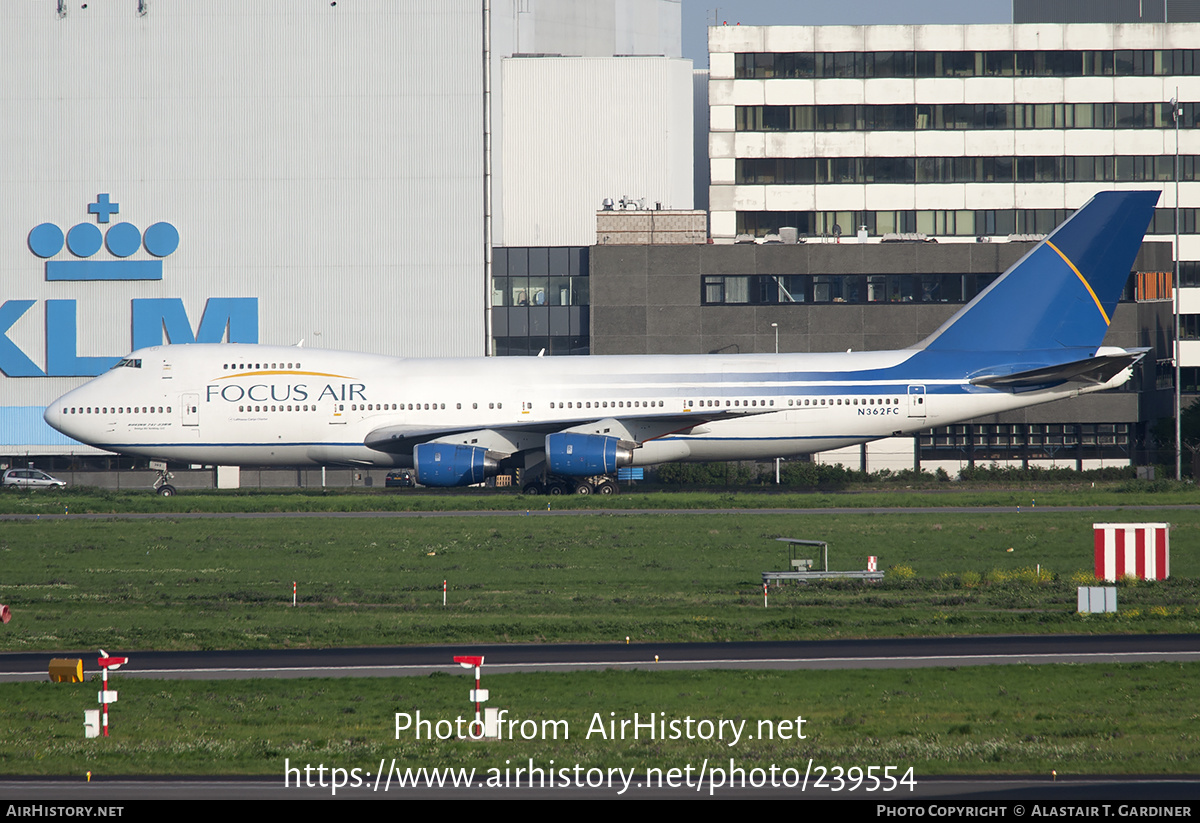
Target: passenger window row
{"type": "Point", "coordinates": [847, 401]}
{"type": "Point", "coordinates": [116, 410]}
{"type": "Point", "coordinates": [239, 366]}
{"type": "Point", "coordinates": [604, 404]}
{"type": "Point", "coordinates": [733, 403]}
{"type": "Point", "coordinates": [277, 408]}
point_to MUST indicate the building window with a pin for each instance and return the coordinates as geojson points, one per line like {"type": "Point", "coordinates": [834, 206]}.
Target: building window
{"type": "Point", "coordinates": [958, 223]}
{"type": "Point", "coordinates": [1189, 327]}
{"type": "Point", "coordinates": [540, 299]}
{"type": "Point", "coordinates": [1189, 274]}
{"type": "Point", "coordinates": [986, 442]}
{"type": "Point", "coordinates": [865, 65]}
{"type": "Point", "coordinates": [962, 116]}
{"type": "Point", "coordinates": [766, 289]}
{"type": "Point", "coordinates": [1189, 380]}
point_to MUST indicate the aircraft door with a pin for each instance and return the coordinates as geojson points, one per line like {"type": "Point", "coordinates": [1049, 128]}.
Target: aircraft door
{"type": "Point", "coordinates": [916, 401]}
{"type": "Point", "coordinates": [191, 410]}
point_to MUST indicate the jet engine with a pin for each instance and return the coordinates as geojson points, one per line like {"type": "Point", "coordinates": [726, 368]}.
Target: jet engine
{"type": "Point", "coordinates": [584, 455]}
{"type": "Point", "coordinates": [445, 464]}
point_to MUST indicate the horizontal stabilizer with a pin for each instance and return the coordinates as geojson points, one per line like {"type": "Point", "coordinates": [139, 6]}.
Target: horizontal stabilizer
{"type": "Point", "coordinates": [1095, 370]}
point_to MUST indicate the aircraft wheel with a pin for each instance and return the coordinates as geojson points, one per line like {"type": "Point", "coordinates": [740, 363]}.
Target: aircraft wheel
{"type": "Point", "coordinates": [166, 491]}
{"type": "Point", "coordinates": [583, 488]}
{"type": "Point", "coordinates": [532, 489]}
{"type": "Point", "coordinates": [606, 487]}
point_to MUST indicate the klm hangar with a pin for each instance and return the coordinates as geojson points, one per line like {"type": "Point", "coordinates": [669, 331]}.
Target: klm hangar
{"type": "Point", "coordinates": [328, 174]}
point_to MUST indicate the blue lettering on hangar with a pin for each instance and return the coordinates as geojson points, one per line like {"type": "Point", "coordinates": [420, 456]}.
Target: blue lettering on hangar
{"type": "Point", "coordinates": [149, 316]}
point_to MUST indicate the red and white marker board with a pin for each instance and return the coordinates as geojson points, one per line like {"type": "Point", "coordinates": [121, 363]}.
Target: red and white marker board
{"type": "Point", "coordinates": [1139, 549]}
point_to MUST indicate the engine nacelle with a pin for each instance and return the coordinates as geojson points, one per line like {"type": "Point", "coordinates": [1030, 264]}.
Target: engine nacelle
{"type": "Point", "coordinates": [445, 464]}
{"type": "Point", "coordinates": [584, 455]}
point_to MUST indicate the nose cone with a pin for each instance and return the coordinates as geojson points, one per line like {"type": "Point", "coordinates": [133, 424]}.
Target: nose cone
{"type": "Point", "coordinates": [56, 417]}
{"type": "Point", "coordinates": [53, 415]}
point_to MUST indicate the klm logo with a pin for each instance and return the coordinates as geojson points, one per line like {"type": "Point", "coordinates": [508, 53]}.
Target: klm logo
{"type": "Point", "coordinates": [121, 239]}
{"type": "Point", "coordinates": [150, 317]}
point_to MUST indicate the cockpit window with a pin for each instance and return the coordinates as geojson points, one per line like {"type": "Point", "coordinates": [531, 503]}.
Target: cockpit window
{"type": "Point", "coordinates": [129, 363]}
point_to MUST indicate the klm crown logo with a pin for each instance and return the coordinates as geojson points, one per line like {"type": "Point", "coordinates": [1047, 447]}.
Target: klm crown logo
{"type": "Point", "coordinates": [121, 239]}
{"type": "Point", "coordinates": [153, 320]}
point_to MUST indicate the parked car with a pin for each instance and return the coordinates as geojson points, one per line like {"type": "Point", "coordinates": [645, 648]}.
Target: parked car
{"type": "Point", "coordinates": [399, 480]}
{"type": "Point", "coordinates": [31, 479]}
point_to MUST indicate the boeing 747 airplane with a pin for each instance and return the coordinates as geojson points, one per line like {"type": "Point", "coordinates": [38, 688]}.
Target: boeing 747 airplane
{"type": "Point", "coordinates": [1034, 335]}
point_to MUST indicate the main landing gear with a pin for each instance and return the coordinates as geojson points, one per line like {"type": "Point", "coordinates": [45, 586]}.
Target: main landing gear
{"type": "Point", "coordinates": [161, 485]}
{"type": "Point", "coordinates": [598, 484]}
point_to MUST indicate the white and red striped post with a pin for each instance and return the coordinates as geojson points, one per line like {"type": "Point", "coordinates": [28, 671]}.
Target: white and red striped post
{"type": "Point", "coordinates": [478, 695]}
{"type": "Point", "coordinates": [293, 594]}
{"type": "Point", "coordinates": [104, 701]}
{"type": "Point", "coordinates": [764, 595]}
{"type": "Point", "coordinates": [107, 663]}
{"type": "Point", "coordinates": [443, 593]}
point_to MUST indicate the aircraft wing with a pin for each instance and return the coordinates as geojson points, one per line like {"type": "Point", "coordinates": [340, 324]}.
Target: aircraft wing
{"type": "Point", "coordinates": [508, 439]}
{"type": "Point", "coordinates": [1093, 370]}
{"type": "Point", "coordinates": [401, 439]}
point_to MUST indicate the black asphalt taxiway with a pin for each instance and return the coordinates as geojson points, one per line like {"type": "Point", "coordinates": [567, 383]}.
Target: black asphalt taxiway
{"type": "Point", "coordinates": [401, 661]}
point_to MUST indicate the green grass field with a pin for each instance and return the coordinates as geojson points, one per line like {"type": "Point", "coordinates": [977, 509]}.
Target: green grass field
{"type": "Point", "coordinates": [190, 583]}
{"type": "Point", "coordinates": [1102, 719]}
{"type": "Point", "coordinates": [85, 500]}
{"type": "Point", "coordinates": [227, 583]}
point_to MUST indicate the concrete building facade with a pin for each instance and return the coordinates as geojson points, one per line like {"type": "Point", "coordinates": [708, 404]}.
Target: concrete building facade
{"type": "Point", "coordinates": [957, 132]}
{"type": "Point", "coordinates": [970, 134]}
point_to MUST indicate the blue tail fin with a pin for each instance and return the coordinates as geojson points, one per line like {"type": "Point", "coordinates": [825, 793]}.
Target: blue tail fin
{"type": "Point", "coordinates": [1064, 291]}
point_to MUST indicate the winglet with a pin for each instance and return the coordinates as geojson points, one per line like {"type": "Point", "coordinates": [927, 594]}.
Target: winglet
{"type": "Point", "coordinates": [1064, 291]}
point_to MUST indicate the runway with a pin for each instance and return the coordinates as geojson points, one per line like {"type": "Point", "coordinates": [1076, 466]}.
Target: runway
{"type": "Point", "coordinates": [538, 509]}
{"type": "Point", "coordinates": [404, 661]}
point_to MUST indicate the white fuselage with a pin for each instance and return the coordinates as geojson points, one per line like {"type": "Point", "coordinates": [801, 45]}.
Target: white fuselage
{"type": "Point", "coordinates": [272, 405]}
